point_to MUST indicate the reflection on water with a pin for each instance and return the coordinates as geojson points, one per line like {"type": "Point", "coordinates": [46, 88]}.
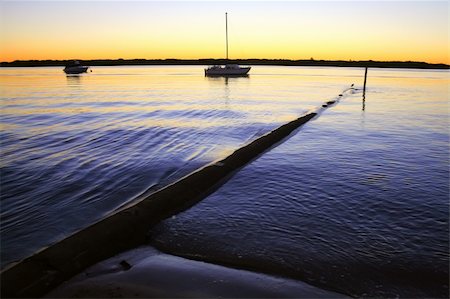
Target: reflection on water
{"type": "Point", "coordinates": [364, 101]}
{"type": "Point", "coordinates": [242, 79]}
{"type": "Point", "coordinates": [73, 80]}
{"type": "Point", "coordinates": [349, 192]}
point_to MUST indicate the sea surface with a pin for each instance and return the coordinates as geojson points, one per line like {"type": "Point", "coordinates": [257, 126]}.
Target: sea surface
{"type": "Point", "coordinates": [356, 201]}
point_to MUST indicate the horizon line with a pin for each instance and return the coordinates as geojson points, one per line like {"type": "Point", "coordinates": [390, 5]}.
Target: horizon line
{"type": "Point", "coordinates": [223, 59]}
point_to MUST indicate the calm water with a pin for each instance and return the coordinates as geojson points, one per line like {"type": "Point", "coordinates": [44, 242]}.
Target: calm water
{"type": "Point", "coordinates": [355, 201]}
{"type": "Point", "coordinates": [76, 148]}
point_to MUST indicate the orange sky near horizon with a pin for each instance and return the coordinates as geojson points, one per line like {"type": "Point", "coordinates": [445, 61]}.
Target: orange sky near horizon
{"type": "Point", "coordinates": [384, 31]}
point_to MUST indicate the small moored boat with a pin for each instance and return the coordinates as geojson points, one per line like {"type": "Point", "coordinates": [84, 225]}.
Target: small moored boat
{"type": "Point", "coordinates": [228, 69]}
{"type": "Point", "coordinates": [75, 68]}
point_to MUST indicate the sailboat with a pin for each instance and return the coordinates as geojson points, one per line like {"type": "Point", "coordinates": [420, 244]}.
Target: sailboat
{"type": "Point", "coordinates": [227, 69]}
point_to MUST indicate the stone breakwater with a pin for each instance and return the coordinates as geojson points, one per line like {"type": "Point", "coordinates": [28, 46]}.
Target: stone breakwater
{"type": "Point", "coordinates": [38, 274]}
{"type": "Point", "coordinates": [128, 228]}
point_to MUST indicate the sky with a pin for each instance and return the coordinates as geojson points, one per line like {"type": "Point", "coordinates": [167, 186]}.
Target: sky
{"type": "Point", "coordinates": [333, 30]}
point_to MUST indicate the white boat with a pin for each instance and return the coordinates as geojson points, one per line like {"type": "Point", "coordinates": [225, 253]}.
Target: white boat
{"type": "Point", "coordinates": [227, 69]}
{"type": "Point", "coordinates": [75, 68]}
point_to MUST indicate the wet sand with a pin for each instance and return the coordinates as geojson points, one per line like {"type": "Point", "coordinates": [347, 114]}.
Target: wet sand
{"type": "Point", "coordinates": [147, 273]}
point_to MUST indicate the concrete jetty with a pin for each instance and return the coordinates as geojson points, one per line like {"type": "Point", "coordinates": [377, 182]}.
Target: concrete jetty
{"type": "Point", "coordinates": [126, 229]}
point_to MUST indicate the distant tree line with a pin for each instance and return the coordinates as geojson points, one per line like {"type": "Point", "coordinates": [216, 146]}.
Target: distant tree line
{"type": "Point", "coordinates": [287, 62]}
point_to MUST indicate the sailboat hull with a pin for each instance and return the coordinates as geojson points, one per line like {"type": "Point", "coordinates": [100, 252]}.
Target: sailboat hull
{"type": "Point", "coordinates": [224, 71]}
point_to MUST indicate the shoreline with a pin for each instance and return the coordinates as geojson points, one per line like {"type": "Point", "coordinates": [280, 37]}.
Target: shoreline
{"type": "Point", "coordinates": [146, 272]}
{"type": "Point", "coordinates": [273, 62]}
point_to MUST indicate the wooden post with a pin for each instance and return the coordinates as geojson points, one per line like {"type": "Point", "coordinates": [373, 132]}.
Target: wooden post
{"type": "Point", "coordinates": [364, 90]}
{"type": "Point", "coordinates": [365, 80]}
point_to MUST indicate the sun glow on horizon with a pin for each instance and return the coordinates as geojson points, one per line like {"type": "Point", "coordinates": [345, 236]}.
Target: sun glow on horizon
{"type": "Point", "coordinates": [383, 31]}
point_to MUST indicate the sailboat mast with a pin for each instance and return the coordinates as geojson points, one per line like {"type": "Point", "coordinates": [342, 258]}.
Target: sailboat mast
{"type": "Point", "coordinates": [226, 31]}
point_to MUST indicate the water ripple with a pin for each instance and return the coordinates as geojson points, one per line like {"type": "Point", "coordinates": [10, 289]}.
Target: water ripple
{"type": "Point", "coordinates": [358, 204]}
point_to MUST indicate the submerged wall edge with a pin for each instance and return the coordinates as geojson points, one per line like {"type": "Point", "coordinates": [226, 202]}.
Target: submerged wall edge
{"type": "Point", "coordinates": [129, 227]}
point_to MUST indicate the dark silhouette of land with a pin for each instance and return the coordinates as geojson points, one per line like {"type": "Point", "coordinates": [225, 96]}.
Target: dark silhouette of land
{"type": "Point", "coordinates": [287, 62]}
